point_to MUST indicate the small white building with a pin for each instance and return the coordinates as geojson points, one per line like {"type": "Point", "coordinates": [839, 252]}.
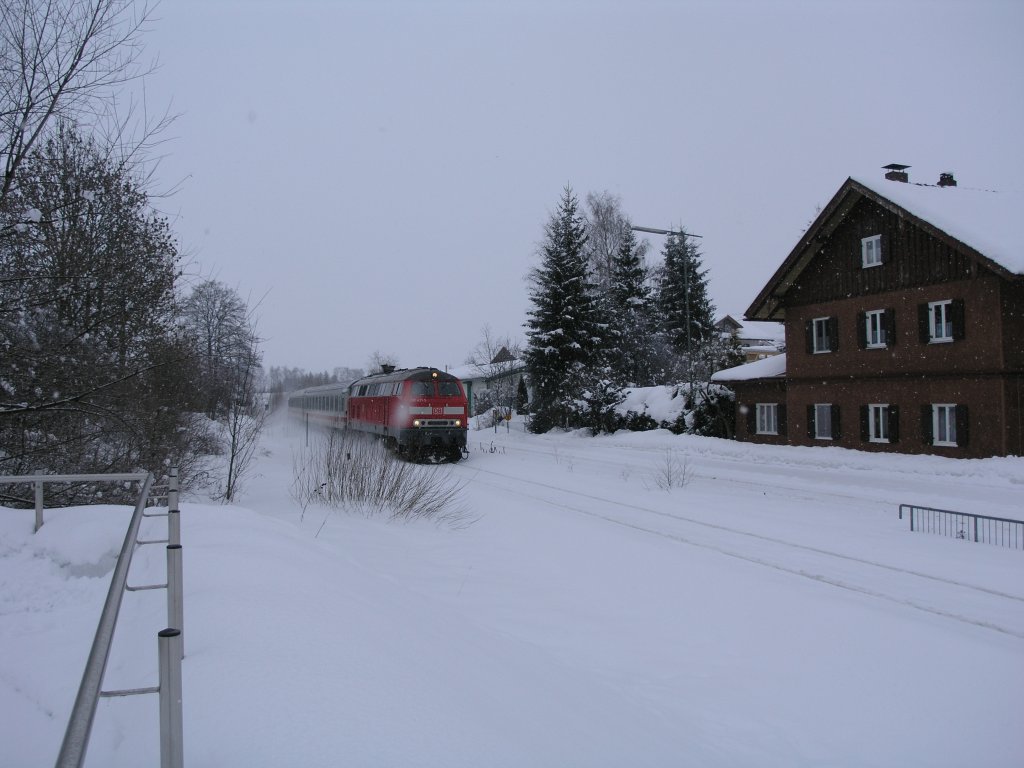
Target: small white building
{"type": "Point", "coordinates": [757, 339]}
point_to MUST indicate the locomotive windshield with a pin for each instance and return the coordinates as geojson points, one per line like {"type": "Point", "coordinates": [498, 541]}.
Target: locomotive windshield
{"type": "Point", "coordinates": [448, 388]}
{"type": "Point", "coordinates": [423, 388]}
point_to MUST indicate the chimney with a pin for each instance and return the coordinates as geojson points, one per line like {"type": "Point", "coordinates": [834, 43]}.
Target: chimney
{"type": "Point", "coordinates": [946, 180]}
{"type": "Point", "coordinates": [896, 172]}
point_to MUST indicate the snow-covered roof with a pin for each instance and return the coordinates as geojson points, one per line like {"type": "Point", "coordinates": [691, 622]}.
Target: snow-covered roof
{"type": "Point", "coordinates": [466, 372]}
{"type": "Point", "coordinates": [768, 368]}
{"type": "Point", "coordinates": [756, 329]}
{"type": "Point", "coordinates": [991, 223]}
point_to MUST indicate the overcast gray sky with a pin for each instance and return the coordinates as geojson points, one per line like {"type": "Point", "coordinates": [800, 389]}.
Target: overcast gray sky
{"type": "Point", "coordinates": [379, 172]}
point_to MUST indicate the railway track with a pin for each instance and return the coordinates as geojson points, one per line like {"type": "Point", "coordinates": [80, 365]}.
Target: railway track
{"type": "Point", "coordinates": [952, 599]}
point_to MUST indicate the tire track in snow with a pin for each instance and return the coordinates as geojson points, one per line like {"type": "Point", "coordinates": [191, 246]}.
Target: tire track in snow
{"type": "Point", "coordinates": [819, 577]}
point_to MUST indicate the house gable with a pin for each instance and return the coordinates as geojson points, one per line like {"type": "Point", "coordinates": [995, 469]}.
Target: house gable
{"type": "Point", "coordinates": [826, 263]}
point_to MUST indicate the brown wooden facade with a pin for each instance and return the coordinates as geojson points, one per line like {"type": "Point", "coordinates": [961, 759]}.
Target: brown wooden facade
{"type": "Point", "coordinates": [862, 349]}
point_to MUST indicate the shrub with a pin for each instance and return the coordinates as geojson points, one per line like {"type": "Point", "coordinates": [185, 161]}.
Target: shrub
{"type": "Point", "coordinates": [353, 471]}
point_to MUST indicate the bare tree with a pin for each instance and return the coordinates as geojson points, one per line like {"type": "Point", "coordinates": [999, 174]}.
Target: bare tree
{"type": "Point", "coordinates": [62, 60]}
{"type": "Point", "coordinates": [380, 360]}
{"type": "Point", "coordinates": [218, 321]}
{"type": "Point", "coordinates": [246, 416]}
{"type": "Point", "coordinates": [222, 329]}
{"type": "Point", "coordinates": [606, 224]}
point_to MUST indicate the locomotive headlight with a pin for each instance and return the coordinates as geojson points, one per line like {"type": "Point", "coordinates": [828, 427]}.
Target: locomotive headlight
{"type": "Point", "coordinates": [416, 422]}
{"type": "Point", "coordinates": [458, 422]}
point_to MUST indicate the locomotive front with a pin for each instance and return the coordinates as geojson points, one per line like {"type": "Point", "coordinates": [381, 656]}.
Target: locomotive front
{"type": "Point", "coordinates": [434, 416]}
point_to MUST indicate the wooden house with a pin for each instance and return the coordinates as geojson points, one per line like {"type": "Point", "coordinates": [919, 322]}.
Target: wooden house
{"type": "Point", "coordinates": [903, 307]}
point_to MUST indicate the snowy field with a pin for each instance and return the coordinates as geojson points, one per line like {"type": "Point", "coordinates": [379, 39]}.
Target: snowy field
{"type": "Point", "coordinates": [769, 610]}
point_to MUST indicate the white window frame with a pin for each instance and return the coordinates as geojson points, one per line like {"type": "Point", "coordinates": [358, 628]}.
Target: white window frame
{"type": "Point", "coordinates": [767, 418]}
{"type": "Point", "coordinates": [940, 321]}
{"type": "Point", "coordinates": [878, 423]}
{"type": "Point", "coordinates": [820, 341]}
{"type": "Point", "coordinates": [874, 325]}
{"type": "Point", "coordinates": [944, 424]}
{"type": "Point", "coordinates": [871, 251]}
{"type": "Point", "coordinates": [820, 408]}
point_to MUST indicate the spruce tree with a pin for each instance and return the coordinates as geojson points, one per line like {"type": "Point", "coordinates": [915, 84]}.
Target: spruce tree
{"type": "Point", "coordinates": [562, 333]}
{"type": "Point", "coordinates": [687, 313]}
{"type": "Point", "coordinates": [630, 314]}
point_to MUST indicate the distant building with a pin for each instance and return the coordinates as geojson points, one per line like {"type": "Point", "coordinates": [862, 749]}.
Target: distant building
{"type": "Point", "coordinates": [492, 384]}
{"type": "Point", "coordinates": [903, 307]}
{"type": "Point", "coordinates": [757, 340]}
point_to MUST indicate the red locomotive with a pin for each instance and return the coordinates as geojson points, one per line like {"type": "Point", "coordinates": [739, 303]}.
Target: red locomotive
{"type": "Point", "coordinates": [419, 412]}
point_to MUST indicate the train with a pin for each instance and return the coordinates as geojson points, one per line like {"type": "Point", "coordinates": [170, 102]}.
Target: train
{"type": "Point", "coordinates": [420, 413]}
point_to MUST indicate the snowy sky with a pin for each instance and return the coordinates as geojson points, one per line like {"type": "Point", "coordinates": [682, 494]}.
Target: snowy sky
{"type": "Point", "coordinates": [378, 173]}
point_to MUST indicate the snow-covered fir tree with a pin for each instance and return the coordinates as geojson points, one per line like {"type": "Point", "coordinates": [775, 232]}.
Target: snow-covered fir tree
{"type": "Point", "coordinates": [629, 311]}
{"type": "Point", "coordinates": [687, 314]}
{"type": "Point", "coordinates": [564, 337]}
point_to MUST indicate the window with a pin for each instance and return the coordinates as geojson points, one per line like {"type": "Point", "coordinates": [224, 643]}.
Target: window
{"type": "Point", "coordinates": [880, 426]}
{"type": "Point", "coordinates": [821, 335]}
{"type": "Point", "coordinates": [871, 251]}
{"type": "Point", "coordinates": [448, 388]}
{"type": "Point", "coordinates": [944, 424]}
{"type": "Point", "coordinates": [823, 421]}
{"type": "Point", "coordinates": [767, 418]}
{"type": "Point", "coordinates": [940, 321]}
{"type": "Point", "coordinates": [876, 329]}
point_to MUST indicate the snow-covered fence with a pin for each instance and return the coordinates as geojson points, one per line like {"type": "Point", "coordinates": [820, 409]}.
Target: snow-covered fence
{"type": "Point", "coordinates": [983, 529]}
{"type": "Point", "coordinates": [170, 641]}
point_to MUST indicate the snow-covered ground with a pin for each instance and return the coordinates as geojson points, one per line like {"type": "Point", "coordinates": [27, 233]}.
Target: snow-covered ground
{"type": "Point", "coordinates": [772, 611]}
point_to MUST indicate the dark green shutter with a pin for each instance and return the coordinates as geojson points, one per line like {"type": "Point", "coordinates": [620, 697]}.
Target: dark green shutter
{"type": "Point", "coordinates": [890, 327]}
{"type": "Point", "coordinates": [957, 316]}
{"type": "Point", "coordinates": [926, 424]}
{"type": "Point", "coordinates": [962, 426]}
{"type": "Point", "coordinates": [924, 323]}
{"type": "Point", "coordinates": [837, 431]}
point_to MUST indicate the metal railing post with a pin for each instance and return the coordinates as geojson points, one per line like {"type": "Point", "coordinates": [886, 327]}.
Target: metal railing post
{"type": "Point", "coordinates": [171, 732]}
{"type": "Point", "coordinates": [39, 500]}
{"type": "Point", "coordinates": [174, 527]}
{"type": "Point", "coordinates": [175, 604]}
{"type": "Point", "coordinates": [172, 490]}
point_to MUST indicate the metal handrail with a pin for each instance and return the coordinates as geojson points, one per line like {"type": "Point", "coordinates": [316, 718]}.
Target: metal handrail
{"type": "Point", "coordinates": [983, 529]}
{"type": "Point", "coordinates": [170, 641]}
{"type": "Point", "coordinates": [76, 738]}
{"type": "Point", "coordinates": [41, 477]}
